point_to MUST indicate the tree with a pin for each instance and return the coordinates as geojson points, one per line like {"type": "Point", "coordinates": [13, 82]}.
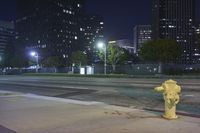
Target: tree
{"type": "Point", "coordinates": [11, 58]}
{"type": "Point", "coordinates": [19, 61]}
{"type": "Point", "coordinates": [115, 55]}
{"type": "Point", "coordinates": [161, 51]}
{"type": "Point", "coordinates": [8, 55]}
{"type": "Point", "coordinates": [79, 58]}
{"type": "Point", "coordinates": [53, 61]}
{"type": "Point", "coordinates": [130, 57]}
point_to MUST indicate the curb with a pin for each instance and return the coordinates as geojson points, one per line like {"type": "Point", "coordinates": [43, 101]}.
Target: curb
{"type": "Point", "coordinates": [179, 113]}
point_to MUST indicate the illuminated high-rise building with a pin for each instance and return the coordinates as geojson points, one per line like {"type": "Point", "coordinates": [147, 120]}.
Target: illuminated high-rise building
{"type": "Point", "coordinates": [174, 19]}
{"type": "Point", "coordinates": [50, 27]}
{"type": "Point", "coordinates": [142, 34]}
{"type": "Point", "coordinates": [92, 28]}
{"type": "Point", "coordinates": [6, 36]}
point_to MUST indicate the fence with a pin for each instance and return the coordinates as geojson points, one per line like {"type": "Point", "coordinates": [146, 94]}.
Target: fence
{"type": "Point", "coordinates": [134, 69]}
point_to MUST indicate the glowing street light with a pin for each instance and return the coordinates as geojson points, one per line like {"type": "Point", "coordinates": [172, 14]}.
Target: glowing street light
{"type": "Point", "coordinates": [35, 54]}
{"type": "Point", "coordinates": [102, 45]}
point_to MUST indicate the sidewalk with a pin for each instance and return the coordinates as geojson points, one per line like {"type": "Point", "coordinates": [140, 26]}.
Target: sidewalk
{"type": "Point", "coordinates": [28, 113]}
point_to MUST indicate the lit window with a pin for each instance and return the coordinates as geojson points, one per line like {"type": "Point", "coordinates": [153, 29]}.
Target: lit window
{"type": "Point", "coordinates": [101, 23]}
{"type": "Point", "coordinates": [43, 46]}
{"type": "Point", "coordinates": [75, 37]}
{"type": "Point", "coordinates": [171, 26]}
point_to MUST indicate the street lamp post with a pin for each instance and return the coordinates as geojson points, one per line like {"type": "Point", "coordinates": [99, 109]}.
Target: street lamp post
{"type": "Point", "coordinates": [0, 61]}
{"type": "Point", "coordinates": [35, 54]}
{"type": "Point", "coordinates": [102, 45]}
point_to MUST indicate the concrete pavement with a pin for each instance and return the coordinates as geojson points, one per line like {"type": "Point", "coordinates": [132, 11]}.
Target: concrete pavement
{"type": "Point", "coordinates": [27, 113]}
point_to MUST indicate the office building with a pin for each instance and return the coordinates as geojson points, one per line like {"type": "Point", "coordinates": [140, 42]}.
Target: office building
{"type": "Point", "coordinates": [50, 27]}
{"type": "Point", "coordinates": [174, 19]}
{"type": "Point", "coordinates": [142, 34]}
{"type": "Point", "coordinates": [6, 36]}
{"type": "Point", "coordinates": [92, 32]}
{"type": "Point", "coordinates": [196, 53]}
{"type": "Point", "coordinates": [125, 44]}
{"type": "Point", "coordinates": [197, 29]}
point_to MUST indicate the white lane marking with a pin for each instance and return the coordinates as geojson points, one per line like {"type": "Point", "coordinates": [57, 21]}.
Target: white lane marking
{"type": "Point", "coordinates": [1, 91]}
{"type": "Point", "coordinates": [69, 101]}
{"type": "Point", "coordinates": [72, 87]}
{"type": "Point", "coordinates": [5, 94]}
{"type": "Point", "coordinates": [62, 100]}
{"type": "Point", "coordinates": [189, 95]}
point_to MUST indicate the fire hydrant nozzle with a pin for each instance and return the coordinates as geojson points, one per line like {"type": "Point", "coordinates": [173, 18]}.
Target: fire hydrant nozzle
{"type": "Point", "coordinates": [171, 92]}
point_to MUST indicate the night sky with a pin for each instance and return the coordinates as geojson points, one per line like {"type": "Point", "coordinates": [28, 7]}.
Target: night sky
{"type": "Point", "coordinates": [120, 16]}
{"type": "Point", "coordinates": [7, 9]}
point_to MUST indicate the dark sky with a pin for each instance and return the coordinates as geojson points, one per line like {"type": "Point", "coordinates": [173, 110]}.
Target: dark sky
{"type": "Point", "coordinates": [120, 16]}
{"type": "Point", "coordinates": [7, 9]}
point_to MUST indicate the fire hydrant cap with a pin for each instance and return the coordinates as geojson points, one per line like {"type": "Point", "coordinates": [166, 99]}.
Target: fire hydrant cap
{"type": "Point", "coordinates": [170, 82]}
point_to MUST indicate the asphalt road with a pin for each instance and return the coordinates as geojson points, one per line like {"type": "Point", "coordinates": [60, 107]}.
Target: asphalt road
{"type": "Point", "coordinates": [134, 93]}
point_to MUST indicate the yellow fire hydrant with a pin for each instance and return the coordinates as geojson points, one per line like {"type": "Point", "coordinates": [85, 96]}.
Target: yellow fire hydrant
{"type": "Point", "coordinates": [171, 92]}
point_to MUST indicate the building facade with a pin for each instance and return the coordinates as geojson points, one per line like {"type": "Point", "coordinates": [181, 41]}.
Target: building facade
{"type": "Point", "coordinates": [6, 36]}
{"type": "Point", "coordinates": [50, 27]}
{"type": "Point", "coordinates": [142, 34]}
{"type": "Point", "coordinates": [125, 44]}
{"type": "Point", "coordinates": [174, 19]}
{"type": "Point", "coordinates": [197, 29]}
{"type": "Point", "coordinates": [92, 29]}
{"type": "Point", "coordinates": [197, 42]}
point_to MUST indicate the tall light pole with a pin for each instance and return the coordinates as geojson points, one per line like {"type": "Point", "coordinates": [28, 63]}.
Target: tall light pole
{"type": "Point", "coordinates": [35, 54]}
{"type": "Point", "coordinates": [3, 71]}
{"type": "Point", "coordinates": [103, 46]}
{"type": "Point", "coordinates": [0, 61]}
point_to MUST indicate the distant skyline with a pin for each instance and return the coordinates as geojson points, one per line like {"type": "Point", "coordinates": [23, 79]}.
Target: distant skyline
{"type": "Point", "coordinates": [120, 16]}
